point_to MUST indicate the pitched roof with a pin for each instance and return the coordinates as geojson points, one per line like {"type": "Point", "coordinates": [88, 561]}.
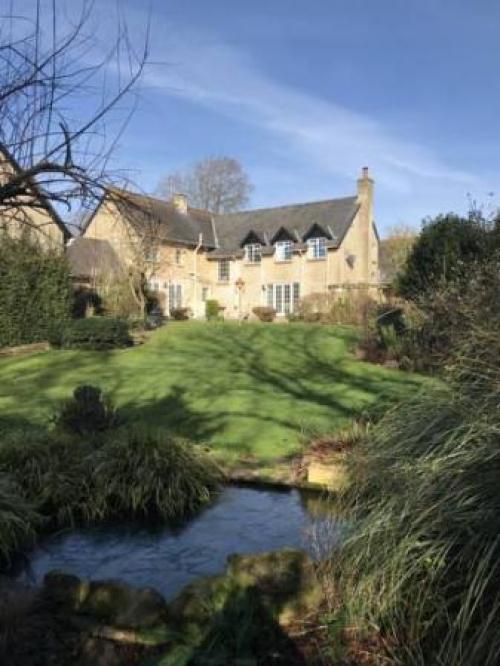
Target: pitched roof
{"type": "Point", "coordinates": [334, 216]}
{"type": "Point", "coordinates": [173, 225]}
{"type": "Point", "coordinates": [89, 257]}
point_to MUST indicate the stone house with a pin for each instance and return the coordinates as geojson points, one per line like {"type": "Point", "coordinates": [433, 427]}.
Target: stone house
{"type": "Point", "coordinates": [273, 256]}
{"type": "Point", "coordinates": [34, 217]}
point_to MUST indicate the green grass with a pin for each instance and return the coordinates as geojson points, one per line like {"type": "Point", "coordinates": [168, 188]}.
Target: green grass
{"type": "Point", "coordinates": [249, 390]}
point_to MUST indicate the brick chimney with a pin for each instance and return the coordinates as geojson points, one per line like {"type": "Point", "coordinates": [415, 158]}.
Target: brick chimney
{"type": "Point", "coordinates": [365, 200]}
{"type": "Point", "coordinates": [180, 203]}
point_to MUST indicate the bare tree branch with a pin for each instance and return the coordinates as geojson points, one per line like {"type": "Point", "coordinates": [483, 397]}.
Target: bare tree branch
{"type": "Point", "coordinates": [217, 184]}
{"type": "Point", "coordinates": [47, 143]}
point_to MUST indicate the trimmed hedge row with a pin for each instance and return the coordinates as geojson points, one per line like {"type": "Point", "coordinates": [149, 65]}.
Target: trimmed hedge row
{"type": "Point", "coordinates": [35, 291]}
{"type": "Point", "coordinates": [94, 333]}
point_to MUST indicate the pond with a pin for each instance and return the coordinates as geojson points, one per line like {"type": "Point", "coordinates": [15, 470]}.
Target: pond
{"type": "Point", "coordinates": [242, 519]}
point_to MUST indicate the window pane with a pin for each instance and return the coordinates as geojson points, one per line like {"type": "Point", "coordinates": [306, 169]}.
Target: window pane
{"type": "Point", "coordinates": [224, 270]}
{"type": "Point", "coordinates": [252, 253]}
{"type": "Point", "coordinates": [279, 299]}
{"type": "Point", "coordinates": [296, 294]}
{"type": "Point", "coordinates": [283, 250]}
{"type": "Point", "coordinates": [270, 300]}
{"type": "Point", "coordinates": [317, 248]}
{"type": "Point", "coordinates": [287, 300]}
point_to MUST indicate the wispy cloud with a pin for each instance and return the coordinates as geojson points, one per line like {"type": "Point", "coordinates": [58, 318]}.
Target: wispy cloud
{"type": "Point", "coordinates": [333, 137]}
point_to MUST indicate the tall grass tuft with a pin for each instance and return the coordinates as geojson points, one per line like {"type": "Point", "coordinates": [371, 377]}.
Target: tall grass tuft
{"type": "Point", "coordinates": [52, 471]}
{"type": "Point", "coordinates": [421, 567]}
{"type": "Point", "coordinates": [18, 519]}
{"type": "Point", "coordinates": [143, 472]}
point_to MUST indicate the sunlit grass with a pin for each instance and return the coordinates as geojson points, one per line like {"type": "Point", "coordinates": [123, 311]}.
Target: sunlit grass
{"type": "Point", "coordinates": [249, 390]}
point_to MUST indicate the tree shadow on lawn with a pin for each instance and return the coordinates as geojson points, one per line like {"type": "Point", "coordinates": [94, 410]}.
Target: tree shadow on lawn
{"type": "Point", "coordinates": [302, 371]}
{"type": "Point", "coordinates": [301, 375]}
{"type": "Point", "coordinates": [283, 376]}
{"type": "Point", "coordinates": [173, 413]}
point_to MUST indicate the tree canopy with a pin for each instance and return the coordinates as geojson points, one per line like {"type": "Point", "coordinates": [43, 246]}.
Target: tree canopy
{"type": "Point", "coordinates": [218, 184]}
{"type": "Point", "coordinates": [445, 251]}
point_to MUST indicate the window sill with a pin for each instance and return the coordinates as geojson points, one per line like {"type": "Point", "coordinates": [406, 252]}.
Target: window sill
{"type": "Point", "coordinates": [283, 261]}
{"type": "Point", "coordinates": [316, 258]}
{"type": "Point", "coordinates": [223, 282]}
{"type": "Point", "coordinates": [251, 263]}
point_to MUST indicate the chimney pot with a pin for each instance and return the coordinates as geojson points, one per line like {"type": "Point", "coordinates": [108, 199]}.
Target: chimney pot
{"type": "Point", "coordinates": [364, 172]}
{"type": "Point", "coordinates": [180, 203]}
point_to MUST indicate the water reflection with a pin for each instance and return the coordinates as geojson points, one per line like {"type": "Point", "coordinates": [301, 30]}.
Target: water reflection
{"type": "Point", "coordinates": [243, 520]}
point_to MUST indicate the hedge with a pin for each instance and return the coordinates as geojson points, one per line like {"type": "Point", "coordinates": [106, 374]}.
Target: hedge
{"type": "Point", "coordinates": [35, 291]}
{"type": "Point", "coordinates": [99, 333]}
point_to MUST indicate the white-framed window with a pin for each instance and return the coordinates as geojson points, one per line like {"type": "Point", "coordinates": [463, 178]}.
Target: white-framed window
{"type": "Point", "coordinates": [253, 253]}
{"type": "Point", "coordinates": [283, 250]}
{"type": "Point", "coordinates": [224, 270]}
{"type": "Point", "coordinates": [284, 298]}
{"type": "Point", "coordinates": [174, 296]}
{"type": "Point", "coordinates": [316, 248]}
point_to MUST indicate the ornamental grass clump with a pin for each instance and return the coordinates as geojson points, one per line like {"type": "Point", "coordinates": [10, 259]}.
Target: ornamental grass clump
{"type": "Point", "coordinates": [141, 472]}
{"type": "Point", "coordinates": [52, 471]}
{"type": "Point", "coordinates": [18, 519]}
{"type": "Point", "coordinates": [421, 567]}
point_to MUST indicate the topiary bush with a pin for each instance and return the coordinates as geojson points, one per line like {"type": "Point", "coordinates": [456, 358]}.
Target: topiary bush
{"type": "Point", "coordinates": [141, 472]}
{"type": "Point", "coordinates": [212, 310]}
{"type": "Point", "coordinates": [86, 413]}
{"type": "Point", "coordinates": [96, 333]}
{"type": "Point", "coordinates": [264, 313]}
{"type": "Point", "coordinates": [35, 291]}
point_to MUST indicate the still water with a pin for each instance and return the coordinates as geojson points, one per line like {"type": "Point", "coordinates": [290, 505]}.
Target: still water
{"type": "Point", "coordinates": [242, 520]}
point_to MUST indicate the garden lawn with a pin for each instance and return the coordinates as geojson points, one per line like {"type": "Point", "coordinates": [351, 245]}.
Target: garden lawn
{"type": "Point", "coordinates": [250, 390]}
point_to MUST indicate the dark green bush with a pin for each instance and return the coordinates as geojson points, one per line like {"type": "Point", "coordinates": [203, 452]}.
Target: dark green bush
{"type": "Point", "coordinates": [264, 313]}
{"type": "Point", "coordinates": [35, 291]}
{"type": "Point", "coordinates": [86, 413]}
{"type": "Point", "coordinates": [98, 333]}
{"type": "Point", "coordinates": [180, 314]}
{"type": "Point", "coordinates": [444, 252]}
{"type": "Point", "coordinates": [140, 472]}
{"type": "Point", "coordinates": [212, 310]}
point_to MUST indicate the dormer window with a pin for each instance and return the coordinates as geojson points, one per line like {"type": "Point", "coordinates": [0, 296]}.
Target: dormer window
{"type": "Point", "coordinates": [253, 253]}
{"type": "Point", "coordinates": [283, 250]}
{"type": "Point", "coordinates": [316, 248]}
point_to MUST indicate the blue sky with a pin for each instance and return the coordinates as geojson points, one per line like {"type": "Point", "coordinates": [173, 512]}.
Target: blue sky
{"type": "Point", "coordinates": [306, 92]}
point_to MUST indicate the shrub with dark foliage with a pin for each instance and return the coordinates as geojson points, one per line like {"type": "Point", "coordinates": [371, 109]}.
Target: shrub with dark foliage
{"type": "Point", "coordinates": [87, 412]}
{"type": "Point", "coordinates": [445, 251]}
{"type": "Point", "coordinates": [35, 291]}
{"type": "Point", "coordinates": [96, 333]}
